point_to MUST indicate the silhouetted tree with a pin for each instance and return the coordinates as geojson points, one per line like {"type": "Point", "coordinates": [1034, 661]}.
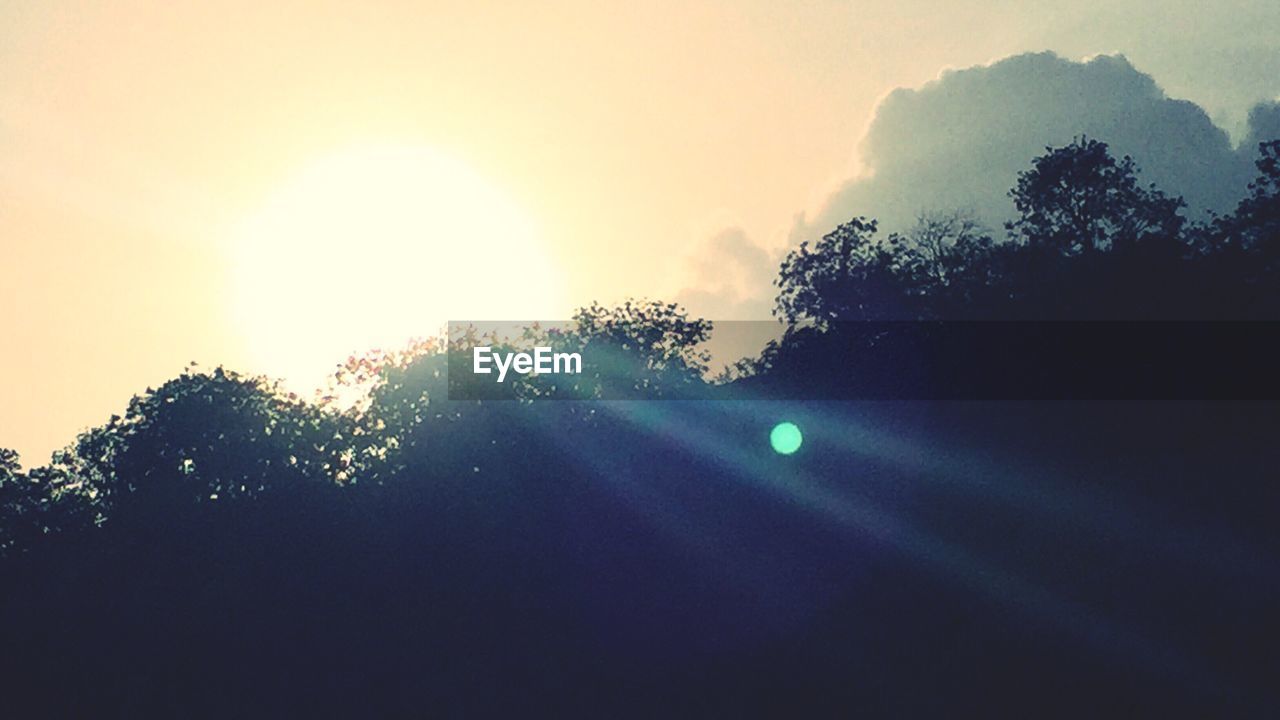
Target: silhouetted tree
{"type": "Point", "coordinates": [49, 500]}
{"type": "Point", "coordinates": [641, 349]}
{"type": "Point", "coordinates": [847, 275]}
{"type": "Point", "coordinates": [394, 548]}
{"type": "Point", "coordinates": [1253, 229]}
{"type": "Point", "coordinates": [207, 437]}
{"type": "Point", "coordinates": [939, 248]}
{"type": "Point", "coordinates": [1078, 199]}
{"type": "Point", "coordinates": [17, 501]}
{"type": "Point", "coordinates": [1257, 217]}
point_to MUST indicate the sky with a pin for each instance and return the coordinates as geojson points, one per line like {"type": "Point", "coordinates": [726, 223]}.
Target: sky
{"type": "Point", "coordinates": [184, 181]}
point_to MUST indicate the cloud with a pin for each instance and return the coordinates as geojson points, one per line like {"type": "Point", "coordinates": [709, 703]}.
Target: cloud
{"type": "Point", "coordinates": [1264, 124]}
{"type": "Point", "coordinates": [959, 141]}
{"type": "Point", "coordinates": [730, 278]}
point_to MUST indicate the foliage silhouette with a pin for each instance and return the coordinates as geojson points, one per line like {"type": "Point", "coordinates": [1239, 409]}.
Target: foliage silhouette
{"type": "Point", "coordinates": [1077, 199]}
{"type": "Point", "coordinates": [227, 548]}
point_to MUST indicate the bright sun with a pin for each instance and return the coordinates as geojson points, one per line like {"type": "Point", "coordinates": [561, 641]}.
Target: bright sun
{"type": "Point", "coordinates": [372, 247]}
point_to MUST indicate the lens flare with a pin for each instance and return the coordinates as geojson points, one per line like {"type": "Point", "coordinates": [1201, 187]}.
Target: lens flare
{"type": "Point", "coordinates": [785, 438]}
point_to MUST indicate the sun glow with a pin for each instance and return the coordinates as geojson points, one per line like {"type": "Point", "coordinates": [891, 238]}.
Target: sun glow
{"type": "Point", "coordinates": [372, 247]}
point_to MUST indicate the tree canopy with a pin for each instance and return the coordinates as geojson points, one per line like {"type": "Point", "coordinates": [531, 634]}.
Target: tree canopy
{"type": "Point", "coordinates": [401, 533]}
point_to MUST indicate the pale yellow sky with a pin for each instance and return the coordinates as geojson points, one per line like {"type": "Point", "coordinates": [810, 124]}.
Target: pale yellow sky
{"type": "Point", "coordinates": [136, 137]}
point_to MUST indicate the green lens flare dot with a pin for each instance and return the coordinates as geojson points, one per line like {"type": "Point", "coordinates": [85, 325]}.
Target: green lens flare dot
{"type": "Point", "coordinates": [785, 438]}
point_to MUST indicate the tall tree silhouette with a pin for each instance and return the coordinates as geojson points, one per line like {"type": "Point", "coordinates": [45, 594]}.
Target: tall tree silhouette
{"type": "Point", "coordinates": [1079, 199]}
